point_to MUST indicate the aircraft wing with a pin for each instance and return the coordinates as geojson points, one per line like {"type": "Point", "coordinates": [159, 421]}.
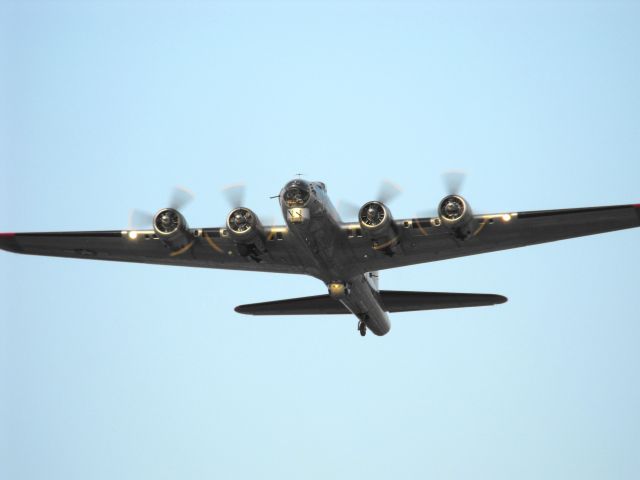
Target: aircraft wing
{"type": "Point", "coordinates": [422, 241]}
{"type": "Point", "coordinates": [210, 249]}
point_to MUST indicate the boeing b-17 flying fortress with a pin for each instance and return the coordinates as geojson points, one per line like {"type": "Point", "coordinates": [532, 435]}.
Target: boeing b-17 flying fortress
{"type": "Point", "coordinates": [345, 256]}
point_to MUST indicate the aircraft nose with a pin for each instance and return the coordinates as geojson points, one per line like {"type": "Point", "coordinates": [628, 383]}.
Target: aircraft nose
{"type": "Point", "coordinates": [296, 193]}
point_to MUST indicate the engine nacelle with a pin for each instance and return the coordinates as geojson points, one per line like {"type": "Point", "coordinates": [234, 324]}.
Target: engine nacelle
{"type": "Point", "coordinates": [456, 215]}
{"type": "Point", "coordinates": [377, 223]}
{"type": "Point", "coordinates": [246, 230]}
{"type": "Point", "coordinates": [172, 229]}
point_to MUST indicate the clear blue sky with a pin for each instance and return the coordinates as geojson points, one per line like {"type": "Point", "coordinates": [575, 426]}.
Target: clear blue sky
{"type": "Point", "coordinates": [135, 371]}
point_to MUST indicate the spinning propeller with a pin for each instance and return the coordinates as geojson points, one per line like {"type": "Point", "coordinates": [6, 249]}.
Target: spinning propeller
{"type": "Point", "coordinates": [180, 198]}
{"type": "Point", "coordinates": [235, 194]}
{"type": "Point", "coordinates": [387, 193]}
{"type": "Point", "coordinates": [453, 181]}
{"type": "Point", "coordinates": [240, 216]}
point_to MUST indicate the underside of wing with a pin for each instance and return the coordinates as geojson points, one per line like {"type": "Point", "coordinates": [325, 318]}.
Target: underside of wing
{"type": "Point", "coordinates": [390, 301]}
{"type": "Point", "coordinates": [208, 248]}
{"type": "Point", "coordinates": [423, 240]}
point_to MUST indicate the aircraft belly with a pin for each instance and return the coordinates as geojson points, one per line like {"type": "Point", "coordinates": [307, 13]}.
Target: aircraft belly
{"type": "Point", "coordinates": [331, 260]}
{"type": "Point", "coordinates": [329, 254]}
{"type": "Point", "coordinates": [362, 302]}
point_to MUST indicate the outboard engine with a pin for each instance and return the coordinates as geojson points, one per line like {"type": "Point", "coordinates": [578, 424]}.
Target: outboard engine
{"type": "Point", "coordinates": [456, 215]}
{"type": "Point", "coordinates": [172, 229]}
{"type": "Point", "coordinates": [247, 232]}
{"type": "Point", "coordinates": [377, 223]}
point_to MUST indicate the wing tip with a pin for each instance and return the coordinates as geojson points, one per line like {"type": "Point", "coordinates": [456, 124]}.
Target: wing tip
{"type": "Point", "coordinates": [242, 309]}
{"type": "Point", "coordinates": [8, 242]}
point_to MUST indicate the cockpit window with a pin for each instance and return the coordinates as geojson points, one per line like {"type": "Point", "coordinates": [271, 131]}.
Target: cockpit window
{"type": "Point", "coordinates": [296, 197]}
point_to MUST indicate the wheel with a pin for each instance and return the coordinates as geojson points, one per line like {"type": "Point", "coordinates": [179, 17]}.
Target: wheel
{"type": "Point", "coordinates": [362, 327]}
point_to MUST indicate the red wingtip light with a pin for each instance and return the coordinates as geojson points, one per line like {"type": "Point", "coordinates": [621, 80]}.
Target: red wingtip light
{"type": "Point", "coordinates": [7, 235]}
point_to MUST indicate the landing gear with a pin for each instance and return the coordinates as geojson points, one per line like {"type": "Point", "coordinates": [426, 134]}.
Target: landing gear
{"type": "Point", "coordinates": [362, 328]}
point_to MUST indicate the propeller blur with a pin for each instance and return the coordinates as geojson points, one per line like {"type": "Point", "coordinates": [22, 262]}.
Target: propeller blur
{"type": "Point", "coordinates": [315, 241]}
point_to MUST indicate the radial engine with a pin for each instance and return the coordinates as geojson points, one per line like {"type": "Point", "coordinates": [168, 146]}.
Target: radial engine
{"type": "Point", "coordinates": [377, 223]}
{"type": "Point", "coordinates": [172, 229]}
{"type": "Point", "coordinates": [247, 231]}
{"type": "Point", "coordinates": [455, 214]}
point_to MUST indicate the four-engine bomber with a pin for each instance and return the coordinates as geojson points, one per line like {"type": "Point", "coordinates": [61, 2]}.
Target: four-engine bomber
{"type": "Point", "coordinates": [345, 256]}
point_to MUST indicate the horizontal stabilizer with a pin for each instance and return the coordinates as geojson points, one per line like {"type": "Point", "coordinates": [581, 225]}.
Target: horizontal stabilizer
{"type": "Point", "coordinates": [319, 304]}
{"type": "Point", "coordinates": [390, 300]}
{"type": "Point", "coordinates": [398, 301]}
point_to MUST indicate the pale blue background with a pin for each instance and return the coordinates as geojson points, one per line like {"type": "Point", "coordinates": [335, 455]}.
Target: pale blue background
{"type": "Point", "coordinates": [134, 371]}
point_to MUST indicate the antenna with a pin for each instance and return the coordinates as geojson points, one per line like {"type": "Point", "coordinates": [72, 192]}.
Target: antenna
{"type": "Point", "coordinates": [299, 175]}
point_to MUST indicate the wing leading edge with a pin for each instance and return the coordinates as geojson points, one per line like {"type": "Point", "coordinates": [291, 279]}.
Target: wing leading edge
{"type": "Point", "coordinates": [208, 249]}
{"type": "Point", "coordinates": [421, 240]}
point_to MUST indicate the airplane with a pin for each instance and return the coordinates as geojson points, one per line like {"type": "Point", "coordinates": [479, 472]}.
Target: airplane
{"type": "Point", "coordinates": [345, 256]}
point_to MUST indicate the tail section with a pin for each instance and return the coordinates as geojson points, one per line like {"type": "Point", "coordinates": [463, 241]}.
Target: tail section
{"type": "Point", "coordinates": [390, 300]}
{"type": "Point", "coordinates": [399, 301]}
{"type": "Point", "coordinates": [318, 305]}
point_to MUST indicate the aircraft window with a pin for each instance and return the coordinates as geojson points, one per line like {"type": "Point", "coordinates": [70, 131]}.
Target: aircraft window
{"type": "Point", "coordinates": [296, 197]}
